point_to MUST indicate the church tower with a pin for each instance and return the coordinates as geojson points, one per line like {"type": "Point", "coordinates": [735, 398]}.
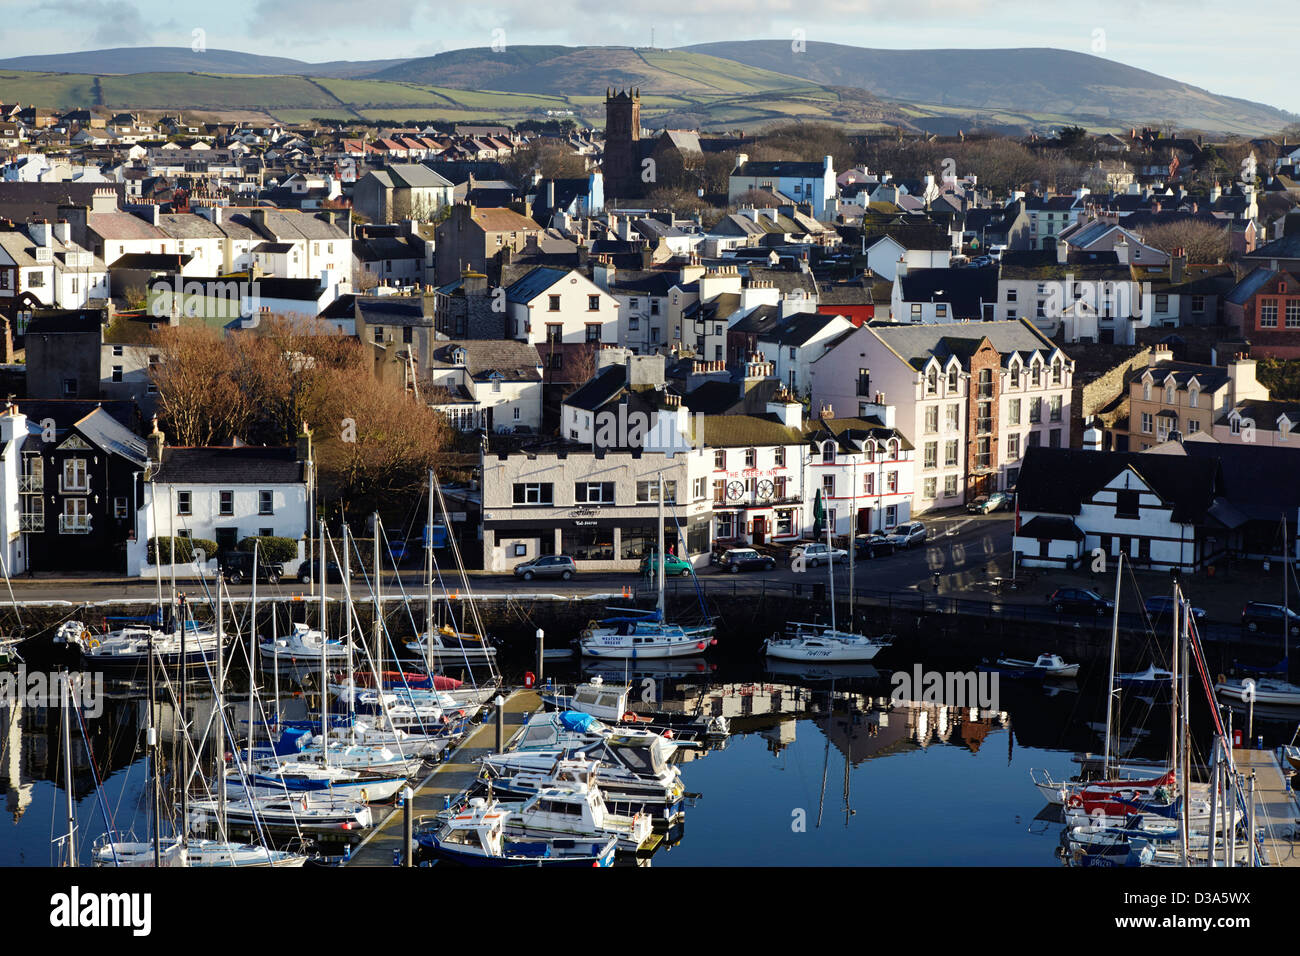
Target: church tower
{"type": "Point", "coordinates": [622, 166]}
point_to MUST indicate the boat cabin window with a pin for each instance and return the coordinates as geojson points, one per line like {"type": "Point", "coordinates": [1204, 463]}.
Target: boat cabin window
{"type": "Point", "coordinates": [461, 837]}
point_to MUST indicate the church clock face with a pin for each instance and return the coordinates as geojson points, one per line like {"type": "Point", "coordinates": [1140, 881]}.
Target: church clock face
{"type": "Point", "coordinates": [765, 488]}
{"type": "Point", "coordinates": [735, 490]}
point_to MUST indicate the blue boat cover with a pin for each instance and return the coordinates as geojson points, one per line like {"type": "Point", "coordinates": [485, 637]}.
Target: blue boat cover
{"type": "Point", "coordinates": [580, 722]}
{"type": "Point", "coordinates": [635, 616]}
{"type": "Point", "coordinates": [291, 741]}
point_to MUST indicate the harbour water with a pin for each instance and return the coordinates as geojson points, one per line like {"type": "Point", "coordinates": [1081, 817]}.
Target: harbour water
{"type": "Point", "coordinates": [821, 767]}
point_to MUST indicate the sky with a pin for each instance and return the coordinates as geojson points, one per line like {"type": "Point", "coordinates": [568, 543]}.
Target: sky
{"type": "Point", "coordinates": [1246, 51]}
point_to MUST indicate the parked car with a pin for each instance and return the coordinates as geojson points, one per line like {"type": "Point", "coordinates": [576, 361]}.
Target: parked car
{"type": "Point", "coordinates": [815, 553]}
{"type": "Point", "coordinates": [867, 546]}
{"type": "Point", "coordinates": [237, 567]}
{"type": "Point", "coordinates": [672, 564]}
{"type": "Point", "coordinates": [907, 535]}
{"type": "Point", "coordinates": [1163, 605]}
{"type": "Point", "coordinates": [1258, 616]}
{"type": "Point", "coordinates": [1078, 601]}
{"type": "Point", "coordinates": [735, 560]}
{"type": "Point", "coordinates": [547, 566]}
{"type": "Point", "coordinates": [986, 503]}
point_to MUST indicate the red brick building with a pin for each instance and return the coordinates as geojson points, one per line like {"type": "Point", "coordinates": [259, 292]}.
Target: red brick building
{"type": "Point", "coordinates": [1265, 309]}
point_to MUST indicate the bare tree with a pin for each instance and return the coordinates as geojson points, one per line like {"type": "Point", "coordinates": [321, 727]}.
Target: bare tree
{"type": "Point", "coordinates": [1203, 241]}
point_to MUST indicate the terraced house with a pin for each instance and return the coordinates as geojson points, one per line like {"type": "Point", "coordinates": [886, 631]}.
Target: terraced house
{"type": "Point", "coordinates": [971, 397]}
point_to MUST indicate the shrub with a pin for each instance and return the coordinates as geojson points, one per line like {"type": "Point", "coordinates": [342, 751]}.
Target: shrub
{"type": "Point", "coordinates": [274, 549]}
{"type": "Point", "coordinates": [185, 548]}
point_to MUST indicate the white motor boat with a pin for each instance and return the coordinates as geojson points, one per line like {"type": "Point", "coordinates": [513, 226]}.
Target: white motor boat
{"type": "Point", "coordinates": [577, 809]}
{"type": "Point", "coordinates": [1049, 665]}
{"type": "Point", "coordinates": [303, 645]}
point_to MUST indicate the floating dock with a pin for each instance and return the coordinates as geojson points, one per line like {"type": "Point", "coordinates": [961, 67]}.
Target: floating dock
{"type": "Point", "coordinates": [446, 782]}
{"type": "Point", "coordinates": [1276, 811]}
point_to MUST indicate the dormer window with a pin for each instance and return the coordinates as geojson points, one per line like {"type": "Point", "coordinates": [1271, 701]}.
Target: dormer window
{"type": "Point", "coordinates": [1146, 390]}
{"type": "Point", "coordinates": [1058, 370]}
{"type": "Point", "coordinates": [1169, 393]}
{"type": "Point", "coordinates": [932, 382]}
{"type": "Point", "coordinates": [459, 355]}
{"type": "Point", "coordinates": [1193, 396]}
{"type": "Point", "coordinates": [1035, 374]}
{"type": "Point", "coordinates": [1015, 374]}
{"type": "Point", "coordinates": [952, 379]}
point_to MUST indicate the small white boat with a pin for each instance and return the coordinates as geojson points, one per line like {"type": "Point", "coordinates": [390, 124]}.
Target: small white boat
{"type": "Point", "coordinates": [303, 645]}
{"type": "Point", "coordinates": [825, 644]}
{"type": "Point", "coordinates": [301, 776]}
{"type": "Point", "coordinates": [125, 652]}
{"type": "Point", "coordinates": [1058, 791]}
{"type": "Point", "coordinates": [275, 808]}
{"type": "Point", "coordinates": [447, 645]}
{"type": "Point", "coordinates": [476, 836]}
{"type": "Point", "coordinates": [644, 636]}
{"type": "Point", "coordinates": [1268, 691]}
{"type": "Point", "coordinates": [577, 810]}
{"type": "Point", "coordinates": [1153, 678]}
{"type": "Point", "coordinates": [1049, 665]}
{"type": "Point", "coordinates": [195, 853]}
{"type": "Point", "coordinates": [603, 701]}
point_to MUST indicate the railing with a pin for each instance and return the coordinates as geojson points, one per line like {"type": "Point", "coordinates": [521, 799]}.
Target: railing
{"type": "Point", "coordinates": [74, 524]}
{"type": "Point", "coordinates": [31, 484]}
{"type": "Point", "coordinates": [31, 522]}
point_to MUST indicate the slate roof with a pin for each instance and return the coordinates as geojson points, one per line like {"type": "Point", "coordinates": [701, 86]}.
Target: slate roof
{"type": "Point", "coordinates": [394, 310]}
{"type": "Point", "coordinates": [1259, 480]}
{"type": "Point", "coordinates": [1055, 529]}
{"type": "Point", "coordinates": [243, 464]}
{"type": "Point", "coordinates": [1058, 480]}
{"type": "Point", "coordinates": [106, 432]}
{"type": "Point", "coordinates": [963, 289]}
{"type": "Point", "coordinates": [599, 390]}
{"type": "Point", "coordinates": [743, 431]}
{"type": "Point", "coordinates": [916, 343]}
{"type": "Point", "coordinates": [1254, 281]}
{"type": "Point", "coordinates": [535, 283]}
{"type": "Point", "coordinates": [514, 361]}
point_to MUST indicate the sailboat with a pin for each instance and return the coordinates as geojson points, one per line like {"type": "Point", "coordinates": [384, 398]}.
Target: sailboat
{"type": "Point", "coordinates": [181, 848]}
{"type": "Point", "coordinates": [1060, 792]}
{"type": "Point", "coordinates": [822, 643]}
{"type": "Point", "coordinates": [644, 634]}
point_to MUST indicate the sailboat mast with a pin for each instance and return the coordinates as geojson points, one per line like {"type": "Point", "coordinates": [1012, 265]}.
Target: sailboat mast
{"type": "Point", "coordinates": [1185, 742]}
{"type": "Point", "coordinates": [830, 572]}
{"type": "Point", "coordinates": [324, 664]}
{"type": "Point", "coordinates": [185, 736]}
{"type": "Point", "coordinates": [346, 629]}
{"type": "Point", "coordinates": [252, 630]}
{"type": "Point", "coordinates": [1110, 681]}
{"type": "Point", "coordinates": [428, 580]}
{"type": "Point", "coordinates": [66, 701]}
{"type": "Point", "coordinates": [660, 568]}
{"type": "Point", "coordinates": [153, 759]}
{"type": "Point", "coordinates": [221, 711]}
{"type": "Point", "coordinates": [379, 602]}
